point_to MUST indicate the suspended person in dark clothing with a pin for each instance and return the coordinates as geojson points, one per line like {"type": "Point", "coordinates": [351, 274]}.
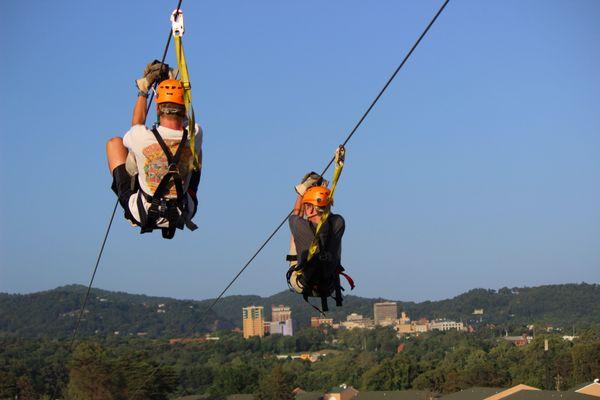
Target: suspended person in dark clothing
{"type": "Point", "coordinates": [318, 276]}
{"type": "Point", "coordinates": [153, 169]}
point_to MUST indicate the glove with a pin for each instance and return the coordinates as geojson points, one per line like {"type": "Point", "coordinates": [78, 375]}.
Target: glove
{"type": "Point", "coordinates": [311, 179]}
{"type": "Point", "coordinates": [154, 72]}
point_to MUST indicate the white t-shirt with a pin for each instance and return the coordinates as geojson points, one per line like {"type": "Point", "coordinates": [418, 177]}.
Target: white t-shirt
{"type": "Point", "coordinates": [152, 163]}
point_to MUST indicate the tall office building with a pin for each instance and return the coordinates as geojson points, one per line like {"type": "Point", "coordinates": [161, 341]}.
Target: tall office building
{"type": "Point", "coordinates": [280, 313]}
{"type": "Point", "coordinates": [281, 317]}
{"type": "Point", "coordinates": [385, 313]}
{"type": "Point", "coordinates": [253, 321]}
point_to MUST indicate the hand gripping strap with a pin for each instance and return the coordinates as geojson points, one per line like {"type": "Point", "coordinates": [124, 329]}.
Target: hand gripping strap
{"type": "Point", "coordinates": [339, 166]}
{"type": "Point", "coordinates": [187, 97]}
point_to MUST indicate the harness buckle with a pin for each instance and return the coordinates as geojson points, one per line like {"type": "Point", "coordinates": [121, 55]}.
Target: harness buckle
{"type": "Point", "coordinates": [162, 207]}
{"type": "Point", "coordinates": [173, 169]}
{"type": "Point", "coordinates": [177, 23]}
{"type": "Point", "coordinates": [325, 256]}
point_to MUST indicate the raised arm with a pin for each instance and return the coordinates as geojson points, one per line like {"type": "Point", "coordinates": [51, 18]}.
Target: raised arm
{"type": "Point", "coordinates": [298, 206]}
{"type": "Point", "coordinates": [139, 111]}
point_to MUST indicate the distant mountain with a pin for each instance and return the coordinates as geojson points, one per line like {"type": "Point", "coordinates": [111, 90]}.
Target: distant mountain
{"type": "Point", "coordinates": [53, 313]}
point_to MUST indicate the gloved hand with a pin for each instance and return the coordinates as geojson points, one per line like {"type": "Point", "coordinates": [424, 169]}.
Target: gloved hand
{"type": "Point", "coordinates": [311, 179]}
{"type": "Point", "coordinates": [154, 72]}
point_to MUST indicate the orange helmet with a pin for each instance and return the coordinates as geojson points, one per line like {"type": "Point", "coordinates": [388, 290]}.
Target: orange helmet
{"type": "Point", "coordinates": [317, 196]}
{"type": "Point", "coordinates": [170, 91]}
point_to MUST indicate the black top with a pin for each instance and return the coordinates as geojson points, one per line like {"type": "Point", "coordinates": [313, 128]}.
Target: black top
{"type": "Point", "coordinates": [331, 234]}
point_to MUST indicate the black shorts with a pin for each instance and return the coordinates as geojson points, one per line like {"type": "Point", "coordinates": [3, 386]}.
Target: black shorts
{"type": "Point", "coordinates": [124, 186]}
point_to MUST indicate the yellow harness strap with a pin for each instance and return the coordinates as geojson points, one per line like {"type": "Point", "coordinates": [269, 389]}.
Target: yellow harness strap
{"type": "Point", "coordinates": [187, 97]}
{"type": "Point", "coordinates": [340, 154]}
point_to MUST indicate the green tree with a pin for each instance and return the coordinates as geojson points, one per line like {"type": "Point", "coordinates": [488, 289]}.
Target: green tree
{"type": "Point", "coordinates": [235, 378]}
{"type": "Point", "coordinates": [586, 361]}
{"type": "Point", "coordinates": [275, 385]}
{"type": "Point", "coordinates": [392, 374]}
{"type": "Point", "coordinates": [480, 370]}
{"type": "Point", "coordinates": [91, 374]}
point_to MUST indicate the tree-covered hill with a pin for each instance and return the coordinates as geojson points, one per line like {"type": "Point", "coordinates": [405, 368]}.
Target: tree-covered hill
{"type": "Point", "coordinates": [53, 313]}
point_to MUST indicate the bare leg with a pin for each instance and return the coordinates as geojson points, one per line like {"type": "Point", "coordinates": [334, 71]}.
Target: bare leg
{"type": "Point", "coordinates": [116, 153]}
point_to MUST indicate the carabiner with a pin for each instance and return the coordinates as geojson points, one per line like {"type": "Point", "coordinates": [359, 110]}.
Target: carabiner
{"type": "Point", "coordinates": [177, 23]}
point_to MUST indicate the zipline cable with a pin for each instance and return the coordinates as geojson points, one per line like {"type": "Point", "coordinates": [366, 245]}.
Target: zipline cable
{"type": "Point", "coordinates": [87, 295]}
{"type": "Point", "coordinates": [389, 81]}
{"type": "Point", "coordinates": [262, 246]}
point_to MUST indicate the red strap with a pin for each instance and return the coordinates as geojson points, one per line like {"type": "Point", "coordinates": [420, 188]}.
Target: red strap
{"type": "Point", "coordinates": [349, 279]}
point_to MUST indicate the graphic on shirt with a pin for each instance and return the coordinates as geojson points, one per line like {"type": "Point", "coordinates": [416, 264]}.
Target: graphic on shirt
{"type": "Point", "coordinates": [156, 164]}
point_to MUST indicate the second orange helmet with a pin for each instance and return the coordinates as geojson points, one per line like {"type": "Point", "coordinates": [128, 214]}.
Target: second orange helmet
{"type": "Point", "coordinates": [317, 196]}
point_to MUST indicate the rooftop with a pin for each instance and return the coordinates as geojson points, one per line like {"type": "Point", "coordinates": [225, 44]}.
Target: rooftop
{"type": "Point", "coordinates": [474, 393]}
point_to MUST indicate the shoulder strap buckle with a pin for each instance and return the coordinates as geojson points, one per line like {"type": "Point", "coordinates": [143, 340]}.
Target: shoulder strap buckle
{"type": "Point", "coordinates": [173, 169]}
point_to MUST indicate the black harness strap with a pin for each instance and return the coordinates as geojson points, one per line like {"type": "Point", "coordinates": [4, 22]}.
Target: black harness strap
{"type": "Point", "coordinates": [313, 281]}
{"type": "Point", "coordinates": [159, 205]}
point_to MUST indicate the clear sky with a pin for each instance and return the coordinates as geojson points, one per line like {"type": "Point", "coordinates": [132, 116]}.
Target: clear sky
{"type": "Point", "coordinates": [480, 167]}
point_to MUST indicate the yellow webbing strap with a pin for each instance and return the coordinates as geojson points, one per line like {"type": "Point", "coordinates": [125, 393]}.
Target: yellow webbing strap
{"type": "Point", "coordinates": [340, 153]}
{"type": "Point", "coordinates": [187, 97]}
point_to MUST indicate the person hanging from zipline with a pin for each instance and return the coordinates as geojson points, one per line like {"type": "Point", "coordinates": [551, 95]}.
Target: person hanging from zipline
{"type": "Point", "coordinates": [156, 172]}
{"type": "Point", "coordinates": [316, 243]}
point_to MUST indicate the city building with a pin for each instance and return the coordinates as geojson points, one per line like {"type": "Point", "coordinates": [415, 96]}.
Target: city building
{"type": "Point", "coordinates": [316, 322]}
{"type": "Point", "coordinates": [284, 328]}
{"type": "Point", "coordinates": [404, 326]}
{"type": "Point", "coordinates": [281, 321]}
{"type": "Point", "coordinates": [518, 340]}
{"type": "Point", "coordinates": [253, 321]}
{"type": "Point", "coordinates": [357, 321]}
{"type": "Point", "coordinates": [386, 313]}
{"type": "Point", "coordinates": [280, 313]}
{"type": "Point", "coordinates": [404, 319]}
{"type": "Point", "coordinates": [446, 325]}
{"type": "Point", "coordinates": [420, 326]}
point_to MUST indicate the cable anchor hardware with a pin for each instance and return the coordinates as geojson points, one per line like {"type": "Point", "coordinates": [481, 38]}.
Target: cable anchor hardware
{"type": "Point", "coordinates": [177, 23]}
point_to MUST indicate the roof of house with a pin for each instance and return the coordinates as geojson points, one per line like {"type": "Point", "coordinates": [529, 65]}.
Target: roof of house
{"type": "Point", "coordinates": [240, 397]}
{"type": "Point", "coordinates": [592, 389]}
{"type": "Point", "coordinates": [515, 389]}
{"type": "Point", "coordinates": [548, 394]}
{"type": "Point", "coordinates": [474, 393]}
{"type": "Point", "coordinates": [394, 395]}
{"type": "Point", "coordinates": [309, 396]}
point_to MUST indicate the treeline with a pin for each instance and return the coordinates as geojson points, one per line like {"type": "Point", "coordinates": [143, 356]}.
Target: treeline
{"type": "Point", "coordinates": [53, 313]}
{"type": "Point", "coordinates": [366, 359]}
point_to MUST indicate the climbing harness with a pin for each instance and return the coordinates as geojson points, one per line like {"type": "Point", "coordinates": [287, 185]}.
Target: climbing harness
{"type": "Point", "coordinates": [319, 275]}
{"type": "Point", "coordinates": [175, 211]}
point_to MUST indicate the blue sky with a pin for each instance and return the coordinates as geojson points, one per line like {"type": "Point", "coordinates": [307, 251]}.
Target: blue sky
{"type": "Point", "coordinates": [479, 167]}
